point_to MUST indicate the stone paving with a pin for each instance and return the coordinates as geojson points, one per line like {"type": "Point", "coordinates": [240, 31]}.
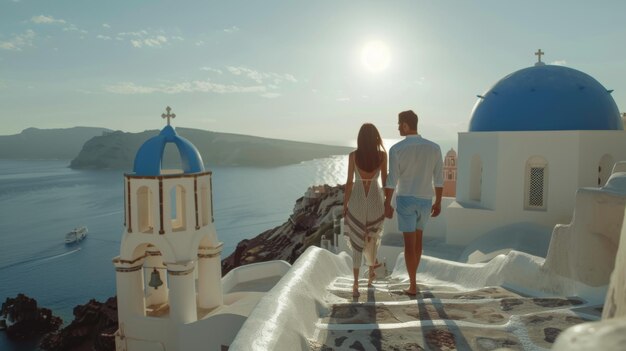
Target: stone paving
{"type": "Point", "coordinates": [442, 318]}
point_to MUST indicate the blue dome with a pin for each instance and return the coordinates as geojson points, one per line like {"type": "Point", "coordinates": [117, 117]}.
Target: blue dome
{"type": "Point", "coordinates": [150, 154]}
{"type": "Point", "coordinates": [546, 97]}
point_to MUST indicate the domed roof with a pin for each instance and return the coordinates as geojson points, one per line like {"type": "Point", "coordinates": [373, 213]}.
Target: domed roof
{"type": "Point", "coordinates": [546, 97]}
{"type": "Point", "coordinates": [150, 154]}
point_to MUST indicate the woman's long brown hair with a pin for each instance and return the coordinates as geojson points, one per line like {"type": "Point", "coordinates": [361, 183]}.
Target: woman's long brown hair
{"type": "Point", "coordinates": [369, 147]}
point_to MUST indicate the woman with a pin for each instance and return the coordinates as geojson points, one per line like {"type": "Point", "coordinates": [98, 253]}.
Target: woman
{"type": "Point", "coordinates": [363, 202]}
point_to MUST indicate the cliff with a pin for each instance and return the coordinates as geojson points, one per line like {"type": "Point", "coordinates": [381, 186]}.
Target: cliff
{"type": "Point", "coordinates": [312, 218]}
{"type": "Point", "coordinates": [93, 328]}
{"type": "Point", "coordinates": [39, 144]}
{"type": "Point", "coordinates": [117, 150]}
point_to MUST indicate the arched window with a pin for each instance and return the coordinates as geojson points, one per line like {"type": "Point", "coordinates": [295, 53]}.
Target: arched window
{"type": "Point", "coordinates": [204, 203]}
{"type": "Point", "coordinates": [476, 178]}
{"type": "Point", "coordinates": [144, 210]}
{"type": "Point", "coordinates": [178, 203]}
{"type": "Point", "coordinates": [605, 167]}
{"type": "Point", "coordinates": [536, 184]}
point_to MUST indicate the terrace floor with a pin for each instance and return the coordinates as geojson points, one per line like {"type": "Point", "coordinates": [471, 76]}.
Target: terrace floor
{"type": "Point", "coordinates": [442, 317]}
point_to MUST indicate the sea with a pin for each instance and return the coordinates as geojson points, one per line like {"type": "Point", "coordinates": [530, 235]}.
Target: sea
{"type": "Point", "coordinates": [40, 201]}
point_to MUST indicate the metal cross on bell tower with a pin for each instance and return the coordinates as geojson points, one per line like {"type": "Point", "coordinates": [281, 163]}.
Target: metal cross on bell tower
{"type": "Point", "coordinates": [168, 115]}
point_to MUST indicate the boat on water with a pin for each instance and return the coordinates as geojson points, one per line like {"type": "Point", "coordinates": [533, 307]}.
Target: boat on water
{"type": "Point", "coordinates": [77, 234]}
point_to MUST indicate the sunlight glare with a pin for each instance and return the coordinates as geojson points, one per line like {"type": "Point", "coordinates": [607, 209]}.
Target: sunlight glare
{"type": "Point", "coordinates": [375, 56]}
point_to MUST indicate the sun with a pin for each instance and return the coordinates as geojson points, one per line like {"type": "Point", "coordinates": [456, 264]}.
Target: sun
{"type": "Point", "coordinates": [375, 56]}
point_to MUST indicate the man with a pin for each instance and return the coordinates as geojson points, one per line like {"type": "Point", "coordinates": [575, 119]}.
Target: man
{"type": "Point", "coordinates": [415, 164]}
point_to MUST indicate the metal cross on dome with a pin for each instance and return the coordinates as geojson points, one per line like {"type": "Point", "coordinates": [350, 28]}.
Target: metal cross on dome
{"type": "Point", "coordinates": [538, 54]}
{"type": "Point", "coordinates": [168, 115]}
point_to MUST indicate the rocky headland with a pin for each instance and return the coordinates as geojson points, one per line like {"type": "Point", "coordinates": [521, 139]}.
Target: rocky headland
{"type": "Point", "coordinates": [45, 144]}
{"type": "Point", "coordinates": [311, 219]}
{"type": "Point", "coordinates": [117, 150]}
{"type": "Point", "coordinates": [25, 320]}
{"type": "Point", "coordinates": [93, 328]}
{"type": "Point", "coordinates": [101, 148]}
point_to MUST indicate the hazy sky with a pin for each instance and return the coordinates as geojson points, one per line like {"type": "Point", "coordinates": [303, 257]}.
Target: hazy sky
{"type": "Point", "coordinates": [287, 69]}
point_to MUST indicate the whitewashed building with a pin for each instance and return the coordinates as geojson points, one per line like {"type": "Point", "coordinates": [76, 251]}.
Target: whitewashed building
{"type": "Point", "coordinates": [534, 138]}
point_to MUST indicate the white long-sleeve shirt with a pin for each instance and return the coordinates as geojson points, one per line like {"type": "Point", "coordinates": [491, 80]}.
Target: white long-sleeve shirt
{"type": "Point", "coordinates": [415, 165]}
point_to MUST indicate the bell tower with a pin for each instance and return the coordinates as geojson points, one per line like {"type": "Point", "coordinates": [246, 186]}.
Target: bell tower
{"type": "Point", "coordinates": [168, 271]}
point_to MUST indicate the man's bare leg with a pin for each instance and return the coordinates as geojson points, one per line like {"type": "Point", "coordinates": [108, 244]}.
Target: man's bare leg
{"type": "Point", "coordinates": [418, 252]}
{"type": "Point", "coordinates": [411, 260]}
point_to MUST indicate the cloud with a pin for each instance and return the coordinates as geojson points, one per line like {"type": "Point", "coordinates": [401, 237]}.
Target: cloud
{"type": "Point", "coordinates": [129, 88]}
{"type": "Point", "coordinates": [232, 29]}
{"type": "Point", "coordinates": [210, 69]}
{"type": "Point", "coordinates": [343, 99]}
{"type": "Point", "coordinates": [199, 43]}
{"type": "Point", "coordinates": [142, 38]}
{"type": "Point", "coordinates": [74, 28]}
{"type": "Point", "coordinates": [103, 37]}
{"type": "Point", "coordinates": [41, 19]}
{"type": "Point", "coordinates": [133, 34]}
{"type": "Point", "coordinates": [265, 85]}
{"type": "Point", "coordinates": [261, 77]}
{"type": "Point", "coordinates": [559, 63]}
{"type": "Point", "coordinates": [154, 42]}
{"type": "Point", "coordinates": [106, 25]}
{"type": "Point", "coordinates": [271, 95]}
{"type": "Point", "coordinates": [18, 41]}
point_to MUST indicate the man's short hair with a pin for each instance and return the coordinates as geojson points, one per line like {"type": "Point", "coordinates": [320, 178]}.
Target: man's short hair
{"type": "Point", "coordinates": [409, 117]}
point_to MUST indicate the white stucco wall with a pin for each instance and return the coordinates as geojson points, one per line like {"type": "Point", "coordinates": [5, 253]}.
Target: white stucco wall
{"type": "Point", "coordinates": [481, 144]}
{"type": "Point", "coordinates": [593, 146]}
{"type": "Point", "coordinates": [572, 162]}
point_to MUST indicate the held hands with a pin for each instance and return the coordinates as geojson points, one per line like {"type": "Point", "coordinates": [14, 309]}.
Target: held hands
{"type": "Point", "coordinates": [436, 209]}
{"type": "Point", "coordinates": [388, 210]}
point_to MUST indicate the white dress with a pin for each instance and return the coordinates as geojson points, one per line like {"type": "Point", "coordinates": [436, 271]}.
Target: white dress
{"type": "Point", "coordinates": [365, 217]}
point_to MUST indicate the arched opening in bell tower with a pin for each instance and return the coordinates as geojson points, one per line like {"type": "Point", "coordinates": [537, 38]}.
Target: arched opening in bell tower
{"type": "Point", "coordinates": [144, 210]}
{"type": "Point", "coordinates": [178, 197]}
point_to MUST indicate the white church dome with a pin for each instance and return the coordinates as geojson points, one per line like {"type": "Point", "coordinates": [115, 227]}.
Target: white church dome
{"type": "Point", "coordinates": [546, 97]}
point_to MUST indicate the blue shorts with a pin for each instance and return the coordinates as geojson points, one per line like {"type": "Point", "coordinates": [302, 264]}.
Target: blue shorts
{"type": "Point", "coordinates": [413, 213]}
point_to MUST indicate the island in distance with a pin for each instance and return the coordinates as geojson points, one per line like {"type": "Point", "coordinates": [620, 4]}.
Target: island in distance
{"type": "Point", "coordinates": [46, 144]}
{"type": "Point", "coordinates": [101, 148]}
{"type": "Point", "coordinates": [116, 150]}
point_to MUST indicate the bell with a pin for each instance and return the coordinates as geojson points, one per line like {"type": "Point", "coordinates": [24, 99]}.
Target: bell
{"type": "Point", "coordinates": [155, 279]}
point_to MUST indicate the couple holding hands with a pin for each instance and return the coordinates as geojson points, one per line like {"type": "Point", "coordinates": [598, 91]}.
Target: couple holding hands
{"type": "Point", "coordinates": [415, 168]}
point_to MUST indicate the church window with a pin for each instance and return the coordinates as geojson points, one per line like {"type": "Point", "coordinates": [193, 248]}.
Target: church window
{"type": "Point", "coordinates": [536, 183]}
{"type": "Point", "coordinates": [476, 178]}
{"type": "Point", "coordinates": [605, 168]}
